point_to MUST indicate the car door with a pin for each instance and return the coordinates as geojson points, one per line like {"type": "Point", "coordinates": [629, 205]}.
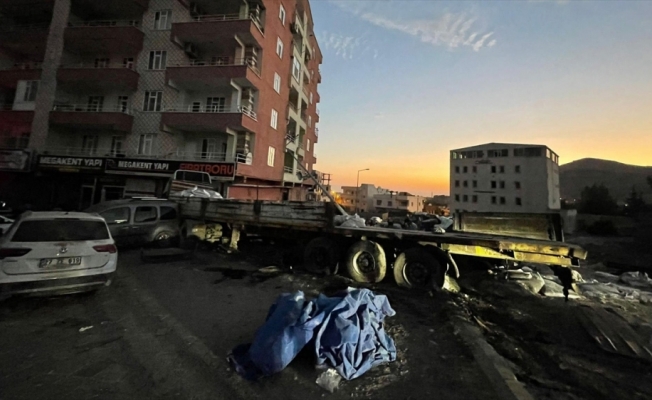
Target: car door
{"type": "Point", "coordinates": [144, 225]}
{"type": "Point", "coordinates": [118, 219]}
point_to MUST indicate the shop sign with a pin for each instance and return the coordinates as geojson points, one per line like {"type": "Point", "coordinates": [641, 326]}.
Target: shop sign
{"type": "Point", "coordinates": [216, 170]}
{"type": "Point", "coordinates": [65, 163]}
{"type": "Point", "coordinates": [14, 160]}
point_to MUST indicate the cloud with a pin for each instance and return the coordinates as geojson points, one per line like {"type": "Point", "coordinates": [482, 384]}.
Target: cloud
{"type": "Point", "coordinates": [346, 46]}
{"type": "Point", "coordinates": [450, 30]}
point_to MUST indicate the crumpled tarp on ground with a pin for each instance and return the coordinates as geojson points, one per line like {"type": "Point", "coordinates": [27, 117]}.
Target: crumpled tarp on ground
{"type": "Point", "coordinates": [201, 193]}
{"type": "Point", "coordinates": [346, 332]}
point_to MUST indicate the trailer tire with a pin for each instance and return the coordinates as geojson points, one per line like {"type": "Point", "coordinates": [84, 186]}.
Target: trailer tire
{"type": "Point", "coordinates": [416, 268]}
{"type": "Point", "coordinates": [321, 256]}
{"type": "Point", "coordinates": [366, 262]}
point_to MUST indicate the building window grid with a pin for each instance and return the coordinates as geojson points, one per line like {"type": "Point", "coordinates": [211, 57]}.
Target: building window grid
{"type": "Point", "coordinates": [31, 88]}
{"type": "Point", "coordinates": [518, 201]}
{"type": "Point", "coordinates": [277, 83]}
{"type": "Point", "coordinates": [274, 120]}
{"type": "Point", "coordinates": [517, 169]}
{"type": "Point", "coordinates": [279, 47]}
{"type": "Point", "coordinates": [475, 184]}
{"type": "Point", "coordinates": [517, 184]}
{"type": "Point", "coordinates": [153, 101]}
{"type": "Point", "coordinates": [157, 60]}
{"type": "Point", "coordinates": [474, 198]}
{"type": "Point", "coordinates": [281, 14]}
{"type": "Point", "coordinates": [271, 154]}
{"type": "Point", "coordinates": [162, 20]}
{"type": "Point", "coordinates": [145, 144]}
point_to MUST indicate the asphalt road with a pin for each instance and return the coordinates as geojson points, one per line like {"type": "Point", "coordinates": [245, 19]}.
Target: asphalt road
{"type": "Point", "coordinates": [163, 330]}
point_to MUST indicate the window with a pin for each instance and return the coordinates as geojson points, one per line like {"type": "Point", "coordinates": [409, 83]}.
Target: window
{"type": "Point", "coordinates": [208, 148]}
{"type": "Point", "coordinates": [466, 169]}
{"type": "Point", "coordinates": [101, 63]}
{"type": "Point", "coordinates": [116, 145]}
{"type": "Point", "coordinates": [277, 82]}
{"type": "Point", "coordinates": [493, 169]}
{"type": "Point", "coordinates": [60, 230]}
{"type": "Point", "coordinates": [310, 97]}
{"type": "Point", "coordinates": [281, 15]}
{"type": "Point", "coordinates": [279, 47]}
{"type": "Point", "coordinates": [271, 154]}
{"type": "Point", "coordinates": [89, 144]}
{"type": "Point", "coordinates": [168, 213]}
{"type": "Point", "coordinates": [389, 204]}
{"type": "Point", "coordinates": [296, 69]}
{"type": "Point", "coordinates": [457, 183]}
{"type": "Point", "coordinates": [502, 184]}
{"type": "Point", "coordinates": [162, 20]}
{"type": "Point", "coordinates": [31, 88]}
{"type": "Point", "coordinates": [152, 101]}
{"type": "Point", "coordinates": [123, 103]}
{"type": "Point", "coordinates": [457, 170]}
{"type": "Point", "coordinates": [474, 199]}
{"type": "Point", "coordinates": [307, 144]}
{"type": "Point", "coordinates": [457, 197]}
{"type": "Point", "coordinates": [517, 185]}
{"type": "Point", "coordinates": [466, 183]}
{"type": "Point", "coordinates": [465, 198]}
{"type": "Point", "coordinates": [215, 104]}
{"type": "Point", "coordinates": [517, 169]}
{"type": "Point", "coordinates": [145, 144]}
{"type": "Point", "coordinates": [475, 169]}
{"type": "Point", "coordinates": [157, 59]}
{"type": "Point", "coordinates": [502, 169]}
{"type": "Point", "coordinates": [116, 215]}
{"type": "Point", "coordinates": [493, 184]}
{"type": "Point", "coordinates": [475, 184]}
{"type": "Point", "coordinates": [518, 201]}
{"type": "Point", "coordinates": [145, 214]}
{"type": "Point", "coordinates": [379, 202]}
{"type": "Point", "coordinates": [128, 63]}
{"type": "Point", "coordinates": [498, 153]}
{"type": "Point", "coordinates": [95, 103]}
{"type": "Point", "coordinates": [195, 106]}
{"type": "Point", "coordinates": [502, 200]}
{"type": "Point", "coordinates": [528, 152]}
{"type": "Point", "coordinates": [274, 121]}
{"type": "Point", "coordinates": [493, 199]}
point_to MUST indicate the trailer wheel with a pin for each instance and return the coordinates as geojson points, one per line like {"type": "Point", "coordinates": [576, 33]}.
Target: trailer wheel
{"type": "Point", "coordinates": [366, 262]}
{"type": "Point", "coordinates": [321, 256]}
{"type": "Point", "coordinates": [416, 268]}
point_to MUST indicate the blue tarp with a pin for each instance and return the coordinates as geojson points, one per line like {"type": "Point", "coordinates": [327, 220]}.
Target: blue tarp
{"type": "Point", "coordinates": [345, 331]}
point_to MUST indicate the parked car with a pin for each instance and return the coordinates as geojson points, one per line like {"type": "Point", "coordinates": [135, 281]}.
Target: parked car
{"type": "Point", "coordinates": [141, 221]}
{"type": "Point", "coordinates": [56, 252]}
{"type": "Point", "coordinates": [5, 223]}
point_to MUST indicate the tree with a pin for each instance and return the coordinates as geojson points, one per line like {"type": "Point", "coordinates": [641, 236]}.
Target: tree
{"type": "Point", "coordinates": [597, 200]}
{"type": "Point", "coordinates": [635, 203]}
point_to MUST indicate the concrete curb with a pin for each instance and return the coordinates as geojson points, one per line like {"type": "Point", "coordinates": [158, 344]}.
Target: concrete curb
{"type": "Point", "coordinates": [492, 364]}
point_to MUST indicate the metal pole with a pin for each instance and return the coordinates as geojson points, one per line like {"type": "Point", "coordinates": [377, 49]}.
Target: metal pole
{"type": "Point", "coordinates": [339, 208]}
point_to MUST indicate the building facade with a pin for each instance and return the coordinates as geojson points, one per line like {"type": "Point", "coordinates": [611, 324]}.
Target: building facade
{"type": "Point", "coordinates": [399, 201]}
{"type": "Point", "coordinates": [360, 199]}
{"type": "Point", "coordinates": [106, 99]}
{"type": "Point", "coordinates": [500, 177]}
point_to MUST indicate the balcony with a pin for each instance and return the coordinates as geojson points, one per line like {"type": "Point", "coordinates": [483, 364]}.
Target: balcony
{"type": "Point", "coordinates": [26, 41]}
{"type": "Point", "coordinates": [20, 9]}
{"type": "Point", "coordinates": [200, 156]}
{"type": "Point", "coordinates": [10, 117]}
{"type": "Point", "coordinates": [92, 117]}
{"type": "Point", "coordinates": [113, 8]}
{"type": "Point", "coordinates": [104, 37]}
{"type": "Point", "coordinates": [9, 77]}
{"type": "Point", "coordinates": [202, 119]}
{"type": "Point", "coordinates": [218, 29]}
{"type": "Point", "coordinates": [217, 71]}
{"type": "Point", "coordinates": [90, 77]}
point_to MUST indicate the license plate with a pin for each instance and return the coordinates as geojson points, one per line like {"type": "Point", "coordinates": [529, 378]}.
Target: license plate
{"type": "Point", "coordinates": [59, 262]}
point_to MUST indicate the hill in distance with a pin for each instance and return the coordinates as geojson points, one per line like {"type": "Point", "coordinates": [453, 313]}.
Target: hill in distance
{"type": "Point", "coordinates": [619, 178]}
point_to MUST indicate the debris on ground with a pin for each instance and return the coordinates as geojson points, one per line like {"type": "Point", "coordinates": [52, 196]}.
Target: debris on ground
{"type": "Point", "coordinates": [85, 328]}
{"type": "Point", "coordinates": [347, 330]}
{"type": "Point", "coordinates": [329, 380]}
{"type": "Point", "coordinates": [349, 221]}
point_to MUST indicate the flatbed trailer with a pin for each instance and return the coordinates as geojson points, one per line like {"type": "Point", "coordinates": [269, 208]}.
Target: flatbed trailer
{"type": "Point", "coordinates": [418, 258]}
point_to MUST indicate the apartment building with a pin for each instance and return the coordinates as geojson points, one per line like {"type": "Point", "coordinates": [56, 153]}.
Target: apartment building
{"type": "Point", "coordinates": [503, 177]}
{"type": "Point", "coordinates": [360, 199]}
{"type": "Point", "coordinates": [403, 201]}
{"type": "Point", "coordinates": [106, 99]}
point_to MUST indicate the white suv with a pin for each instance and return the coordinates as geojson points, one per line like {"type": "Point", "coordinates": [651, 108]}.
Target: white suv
{"type": "Point", "coordinates": [63, 252]}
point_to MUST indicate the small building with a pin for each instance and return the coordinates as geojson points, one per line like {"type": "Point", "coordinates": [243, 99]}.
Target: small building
{"type": "Point", "coordinates": [402, 201]}
{"type": "Point", "coordinates": [360, 199]}
{"type": "Point", "coordinates": [503, 177]}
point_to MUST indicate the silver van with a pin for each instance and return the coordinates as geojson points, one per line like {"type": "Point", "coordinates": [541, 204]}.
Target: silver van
{"type": "Point", "coordinates": [141, 221]}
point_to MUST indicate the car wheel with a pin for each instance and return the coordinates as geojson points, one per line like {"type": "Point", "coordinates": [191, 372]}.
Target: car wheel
{"type": "Point", "coordinates": [366, 262]}
{"type": "Point", "coordinates": [416, 268]}
{"type": "Point", "coordinates": [164, 239]}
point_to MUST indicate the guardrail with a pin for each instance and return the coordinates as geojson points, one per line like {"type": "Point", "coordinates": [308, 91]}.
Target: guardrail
{"type": "Point", "coordinates": [99, 65]}
{"type": "Point", "coordinates": [288, 170]}
{"type": "Point", "coordinates": [77, 151]}
{"type": "Point", "coordinates": [226, 61]}
{"type": "Point", "coordinates": [90, 108]}
{"type": "Point", "coordinates": [103, 23]}
{"type": "Point", "coordinates": [227, 17]}
{"type": "Point", "coordinates": [213, 110]}
{"type": "Point", "coordinates": [23, 66]}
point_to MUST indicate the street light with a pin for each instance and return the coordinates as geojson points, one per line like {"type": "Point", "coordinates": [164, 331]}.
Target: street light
{"type": "Point", "coordinates": [357, 187]}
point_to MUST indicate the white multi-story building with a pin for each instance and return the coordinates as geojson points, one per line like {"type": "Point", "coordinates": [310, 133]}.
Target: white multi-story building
{"type": "Point", "coordinates": [361, 199]}
{"type": "Point", "coordinates": [399, 201]}
{"type": "Point", "coordinates": [503, 177]}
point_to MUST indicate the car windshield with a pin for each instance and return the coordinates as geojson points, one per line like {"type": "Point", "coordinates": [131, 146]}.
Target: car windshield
{"type": "Point", "coordinates": [60, 230]}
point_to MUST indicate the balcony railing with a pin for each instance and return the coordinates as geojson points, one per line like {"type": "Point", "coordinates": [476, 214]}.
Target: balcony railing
{"type": "Point", "coordinates": [23, 66]}
{"type": "Point", "coordinates": [288, 170]}
{"type": "Point", "coordinates": [317, 132]}
{"type": "Point", "coordinates": [201, 156]}
{"type": "Point", "coordinates": [213, 109]}
{"type": "Point", "coordinates": [91, 108]}
{"type": "Point", "coordinates": [225, 61]}
{"type": "Point", "coordinates": [177, 155]}
{"type": "Point", "coordinates": [105, 23]}
{"type": "Point", "coordinates": [100, 65]}
{"type": "Point", "coordinates": [79, 151]}
{"type": "Point", "coordinates": [227, 17]}
{"type": "Point", "coordinates": [23, 27]}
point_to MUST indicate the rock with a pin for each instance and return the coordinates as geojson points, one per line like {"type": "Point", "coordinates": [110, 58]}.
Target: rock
{"type": "Point", "coordinates": [606, 277]}
{"type": "Point", "coordinates": [554, 289]}
{"type": "Point", "coordinates": [534, 284]}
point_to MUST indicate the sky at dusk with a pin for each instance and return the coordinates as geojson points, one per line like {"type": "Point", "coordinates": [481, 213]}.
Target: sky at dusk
{"type": "Point", "coordinates": [404, 82]}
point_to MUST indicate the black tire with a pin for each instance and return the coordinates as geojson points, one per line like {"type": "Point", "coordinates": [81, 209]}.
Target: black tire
{"type": "Point", "coordinates": [416, 268]}
{"type": "Point", "coordinates": [366, 262]}
{"type": "Point", "coordinates": [321, 256]}
{"type": "Point", "coordinates": [164, 239]}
